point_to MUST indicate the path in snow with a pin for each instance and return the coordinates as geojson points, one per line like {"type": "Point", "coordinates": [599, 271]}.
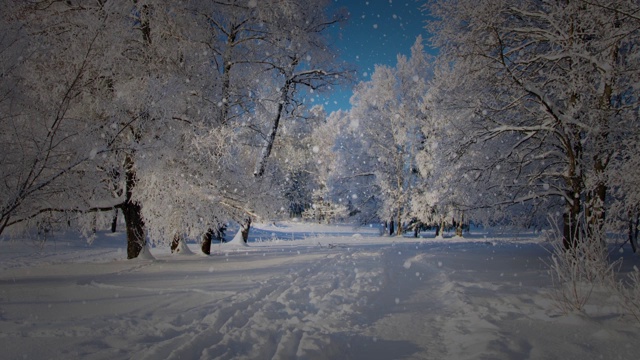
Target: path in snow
{"type": "Point", "coordinates": [327, 296]}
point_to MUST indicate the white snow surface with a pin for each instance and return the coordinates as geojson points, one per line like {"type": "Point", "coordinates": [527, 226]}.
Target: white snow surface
{"type": "Point", "coordinates": [300, 291]}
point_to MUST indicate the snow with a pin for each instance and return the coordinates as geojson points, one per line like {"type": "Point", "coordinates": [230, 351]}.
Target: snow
{"type": "Point", "coordinates": [299, 290]}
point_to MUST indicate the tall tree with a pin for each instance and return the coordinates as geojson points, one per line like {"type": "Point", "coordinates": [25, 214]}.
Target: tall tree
{"type": "Point", "coordinates": [118, 102]}
{"type": "Point", "coordinates": [390, 110]}
{"type": "Point", "coordinates": [300, 60]}
{"type": "Point", "coordinates": [535, 89]}
{"type": "Point", "coordinates": [52, 132]}
{"type": "Point", "coordinates": [106, 83]}
{"type": "Point", "coordinates": [246, 46]}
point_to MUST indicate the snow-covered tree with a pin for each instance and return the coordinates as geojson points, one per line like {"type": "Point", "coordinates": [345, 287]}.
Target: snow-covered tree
{"type": "Point", "coordinates": [302, 157]}
{"type": "Point", "coordinates": [351, 177]}
{"type": "Point", "coordinates": [390, 109]}
{"type": "Point", "coordinates": [53, 135]}
{"type": "Point", "coordinates": [301, 63]}
{"type": "Point", "coordinates": [96, 84]}
{"type": "Point", "coordinates": [152, 108]}
{"type": "Point", "coordinates": [249, 48]}
{"type": "Point", "coordinates": [538, 92]}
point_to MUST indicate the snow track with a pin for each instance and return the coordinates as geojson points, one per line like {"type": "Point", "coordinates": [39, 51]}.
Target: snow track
{"type": "Point", "coordinates": [296, 315]}
{"type": "Point", "coordinates": [357, 299]}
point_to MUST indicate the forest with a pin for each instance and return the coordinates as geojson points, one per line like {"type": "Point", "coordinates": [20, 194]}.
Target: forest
{"type": "Point", "coordinates": [480, 198]}
{"type": "Point", "coordinates": [183, 117]}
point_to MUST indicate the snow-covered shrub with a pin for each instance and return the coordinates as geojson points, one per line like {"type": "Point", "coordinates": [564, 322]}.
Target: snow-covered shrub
{"type": "Point", "coordinates": [629, 293]}
{"type": "Point", "coordinates": [578, 270]}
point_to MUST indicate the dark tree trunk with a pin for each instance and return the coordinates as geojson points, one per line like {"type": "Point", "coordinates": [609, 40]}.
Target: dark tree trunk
{"type": "Point", "coordinates": [245, 229]}
{"type": "Point", "coordinates": [205, 245]}
{"type": "Point", "coordinates": [570, 224]}
{"type": "Point", "coordinates": [459, 226]}
{"type": "Point", "coordinates": [391, 228]}
{"type": "Point", "coordinates": [114, 222]}
{"type": "Point", "coordinates": [634, 220]}
{"type": "Point", "coordinates": [440, 229]}
{"type": "Point", "coordinates": [571, 217]}
{"type": "Point", "coordinates": [266, 149]}
{"type": "Point", "coordinates": [416, 229]}
{"type": "Point", "coordinates": [132, 213]}
{"type": "Point", "coordinates": [135, 228]}
{"type": "Point", "coordinates": [175, 242]}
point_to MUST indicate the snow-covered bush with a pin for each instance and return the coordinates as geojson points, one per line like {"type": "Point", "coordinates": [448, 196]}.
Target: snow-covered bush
{"type": "Point", "coordinates": [629, 293]}
{"type": "Point", "coordinates": [578, 270]}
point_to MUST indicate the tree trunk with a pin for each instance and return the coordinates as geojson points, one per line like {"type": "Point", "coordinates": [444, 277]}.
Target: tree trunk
{"type": "Point", "coordinates": [459, 226]}
{"type": "Point", "coordinates": [271, 138]}
{"type": "Point", "coordinates": [634, 219]}
{"type": "Point", "coordinates": [175, 242]}
{"type": "Point", "coordinates": [400, 230]}
{"type": "Point", "coordinates": [594, 203]}
{"type": "Point", "coordinates": [596, 215]}
{"type": "Point", "coordinates": [571, 217]}
{"type": "Point", "coordinates": [245, 229]}
{"type": "Point", "coordinates": [205, 245]}
{"type": "Point", "coordinates": [575, 184]}
{"type": "Point", "coordinates": [132, 213]}
{"type": "Point", "coordinates": [114, 222]}
{"type": "Point", "coordinates": [416, 229]}
{"type": "Point", "coordinates": [226, 76]}
{"type": "Point", "coordinates": [391, 228]}
{"type": "Point", "coordinates": [135, 228]}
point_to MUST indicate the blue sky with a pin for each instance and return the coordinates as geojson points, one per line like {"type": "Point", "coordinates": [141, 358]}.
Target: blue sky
{"type": "Point", "coordinates": [377, 31]}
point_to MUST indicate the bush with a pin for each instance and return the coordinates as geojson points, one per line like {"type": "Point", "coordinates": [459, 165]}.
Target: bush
{"type": "Point", "coordinates": [576, 271]}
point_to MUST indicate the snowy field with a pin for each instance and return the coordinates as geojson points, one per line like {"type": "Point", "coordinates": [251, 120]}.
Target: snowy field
{"type": "Point", "coordinates": [300, 291]}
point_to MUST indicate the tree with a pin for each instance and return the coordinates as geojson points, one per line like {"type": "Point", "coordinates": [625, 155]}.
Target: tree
{"type": "Point", "coordinates": [208, 163]}
{"type": "Point", "coordinates": [535, 90]}
{"type": "Point", "coordinates": [389, 109]}
{"type": "Point", "coordinates": [110, 104]}
{"type": "Point", "coordinates": [50, 132]}
{"type": "Point", "coordinates": [152, 108]}
{"type": "Point", "coordinates": [301, 61]}
{"type": "Point", "coordinates": [350, 177]}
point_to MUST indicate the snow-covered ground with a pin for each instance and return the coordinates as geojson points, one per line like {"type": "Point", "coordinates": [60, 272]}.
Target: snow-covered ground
{"type": "Point", "coordinates": [300, 291]}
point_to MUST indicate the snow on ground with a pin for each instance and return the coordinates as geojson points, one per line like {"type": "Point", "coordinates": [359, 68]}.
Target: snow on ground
{"type": "Point", "coordinates": [299, 291]}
